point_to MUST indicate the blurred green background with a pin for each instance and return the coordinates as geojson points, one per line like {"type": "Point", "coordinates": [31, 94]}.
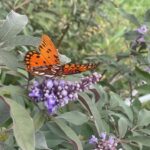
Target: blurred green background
{"type": "Point", "coordinates": [93, 26]}
{"type": "Point", "coordinates": [85, 31]}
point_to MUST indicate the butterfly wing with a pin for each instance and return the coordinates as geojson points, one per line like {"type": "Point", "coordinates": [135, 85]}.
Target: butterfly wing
{"type": "Point", "coordinates": [34, 59]}
{"type": "Point", "coordinates": [48, 56]}
{"type": "Point", "coordinates": [47, 62]}
{"type": "Point", "coordinates": [68, 69]}
{"type": "Point", "coordinates": [48, 50]}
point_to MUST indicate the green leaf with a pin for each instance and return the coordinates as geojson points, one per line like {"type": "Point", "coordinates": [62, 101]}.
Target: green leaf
{"type": "Point", "coordinates": [21, 40]}
{"type": "Point", "coordinates": [93, 109]}
{"type": "Point", "coordinates": [146, 131]}
{"type": "Point", "coordinates": [70, 134]}
{"type": "Point", "coordinates": [9, 59]}
{"type": "Point", "coordinates": [148, 56]}
{"type": "Point", "coordinates": [130, 17]}
{"type": "Point", "coordinates": [74, 117]}
{"type": "Point", "coordinates": [143, 75]}
{"type": "Point", "coordinates": [144, 140]}
{"type": "Point", "coordinates": [143, 89]}
{"type": "Point", "coordinates": [120, 103]}
{"type": "Point", "coordinates": [22, 125]}
{"type": "Point", "coordinates": [126, 146]}
{"type": "Point", "coordinates": [55, 131]}
{"type": "Point", "coordinates": [64, 59]}
{"type": "Point", "coordinates": [40, 141]}
{"type": "Point", "coordinates": [15, 92]}
{"type": "Point", "coordinates": [13, 25]}
{"type": "Point", "coordinates": [147, 16]}
{"type": "Point", "coordinates": [39, 120]}
{"type": "Point", "coordinates": [54, 142]}
{"type": "Point", "coordinates": [122, 126]}
{"type": "Point", "coordinates": [53, 134]}
{"type": "Point", "coordinates": [131, 35]}
{"type": "Point", "coordinates": [4, 112]}
{"type": "Point", "coordinates": [144, 118]}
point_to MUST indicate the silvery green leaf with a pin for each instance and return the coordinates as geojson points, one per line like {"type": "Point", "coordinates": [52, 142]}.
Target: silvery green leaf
{"type": "Point", "coordinates": [64, 59]}
{"type": "Point", "coordinates": [8, 59]}
{"type": "Point", "coordinates": [40, 141]}
{"type": "Point", "coordinates": [21, 40]}
{"type": "Point", "coordinates": [13, 25]}
{"type": "Point", "coordinates": [23, 126]}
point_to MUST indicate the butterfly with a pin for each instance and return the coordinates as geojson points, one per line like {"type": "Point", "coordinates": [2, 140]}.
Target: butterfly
{"type": "Point", "coordinates": [46, 62]}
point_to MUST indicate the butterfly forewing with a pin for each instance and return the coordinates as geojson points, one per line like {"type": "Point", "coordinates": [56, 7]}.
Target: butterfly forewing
{"type": "Point", "coordinates": [47, 56]}
{"type": "Point", "coordinates": [48, 50]}
{"type": "Point", "coordinates": [77, 68]}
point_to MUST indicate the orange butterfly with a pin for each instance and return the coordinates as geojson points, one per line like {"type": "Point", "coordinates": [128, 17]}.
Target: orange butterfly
{"type": "Point", "coordinates": [46, 62]}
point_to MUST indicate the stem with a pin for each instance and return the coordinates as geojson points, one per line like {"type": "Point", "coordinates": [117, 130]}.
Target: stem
{"type": "Point", "coordinates": [63, 34]}
{"type": "Point", "coordinates": [128, 142]}
{"type": "Point", "coordinates": [22, 4]}
{"type": "Point", "coordinates": [113, 123]}
{"type": "Point", "coordinates": [134, 128]}
{"type": "Point", "coordinates": [130, 88]}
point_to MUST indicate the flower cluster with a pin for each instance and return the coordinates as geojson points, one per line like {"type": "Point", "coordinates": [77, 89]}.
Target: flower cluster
{"type": "Point", "coordinates": [56, 93]}
{"type": "Point", "coordinates": [140, 39]}
{"type": "Point", "coordinates": [142, 31]}
{"type": "Point", "coordinates": [104, 142]}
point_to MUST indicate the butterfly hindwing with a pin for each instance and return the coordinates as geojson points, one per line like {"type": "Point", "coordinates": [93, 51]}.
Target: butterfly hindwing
{"type": "Point", "coordinates": [34, 59]}
{"type": "Point", "coordinates": [77, 68]}
{"type": "Point", "coordinates": [67, 69]}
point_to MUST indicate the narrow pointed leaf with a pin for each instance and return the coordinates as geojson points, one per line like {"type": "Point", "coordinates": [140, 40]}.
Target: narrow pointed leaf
{"type": "Point", "coordinates": [122, 125]}
{"type": "Point", "coordinates": [95, 113]}
{"type": "Point", "coordinates": [70, 134]}
{"type": "Point", "coordinates": [23, 126]}
{"type": "Point", "coordinates": [144, 118]}
{"type": "Point", "coordinates": [74, 117]}
{"type": "Point", "coordinates": [40, 141]}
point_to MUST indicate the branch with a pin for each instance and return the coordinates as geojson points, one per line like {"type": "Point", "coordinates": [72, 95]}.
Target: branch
{"type": "Point", "coordinates": [22, 4]}
{"type": "Point", "coordinates": [64, 32]}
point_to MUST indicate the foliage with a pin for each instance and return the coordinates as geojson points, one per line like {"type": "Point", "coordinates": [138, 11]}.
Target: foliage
{"type": "Point", "coordinates": [116, 34]}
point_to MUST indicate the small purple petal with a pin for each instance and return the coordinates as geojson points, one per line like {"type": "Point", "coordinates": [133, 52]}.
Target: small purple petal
{"type": "Point", "coordinates": [93, 140]}
{"type": "Point", "coordinates": [49, 84]}
{"type": "Point", "coordinates": [64, 92]}
{"type": "Point", "coordinates": [103, 136]}
{"type": "Point", "coordinates": [59, 88]}
{"type": "Point", "coordinates": [111, 140]}
{"type": "Point", "coordinates": [143, 29]}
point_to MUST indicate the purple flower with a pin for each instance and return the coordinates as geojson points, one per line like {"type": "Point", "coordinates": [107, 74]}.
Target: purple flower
{"type": "Point", "coordinates": [143, 29]}
{"type": "Point", "coordinates": [103, 136]}
{"type": "Point", "coordinates": [35, 92]}
{"type": "Point", "coordinates": [57, 93]}
{"type": "Point", "coordinates": [51, 103]}
{"type": "Point", "coordinates": [93, 139]}
{"type": "Point", "coordinates": [141, 39]}
{"type": "Point", "coordinates": [104, 142]}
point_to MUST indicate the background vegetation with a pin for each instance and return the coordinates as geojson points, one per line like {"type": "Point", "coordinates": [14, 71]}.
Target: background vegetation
{"type": "Point", "coordinates": [86, 31]}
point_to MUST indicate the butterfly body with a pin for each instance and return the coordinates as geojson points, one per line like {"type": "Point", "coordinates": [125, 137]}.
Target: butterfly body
{"type": "Point", "coordinates": [46, 62]}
